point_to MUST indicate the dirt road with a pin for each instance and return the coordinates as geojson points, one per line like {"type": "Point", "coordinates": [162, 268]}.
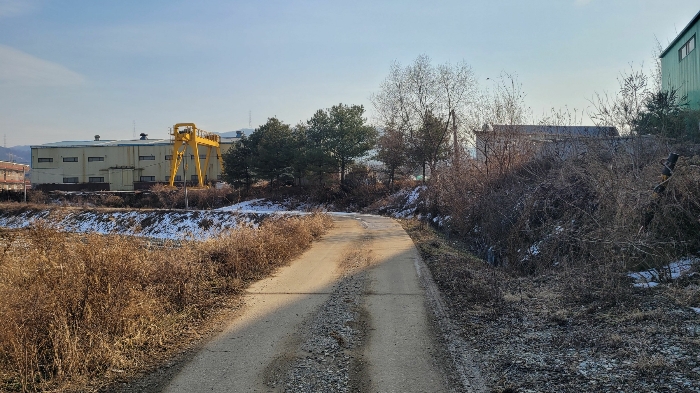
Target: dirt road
{"type": "Point", "coordinates": [348, 315]}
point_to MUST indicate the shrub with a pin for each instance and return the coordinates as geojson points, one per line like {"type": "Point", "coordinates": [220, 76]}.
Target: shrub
{"type": "Point", "coordinates": [77, 307]}
{"type": "Point", "coordinates": [595, 213]}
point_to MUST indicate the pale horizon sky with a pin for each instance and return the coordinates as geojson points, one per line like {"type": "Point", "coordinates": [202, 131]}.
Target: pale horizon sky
{"type": "Point", "coordinates": [75, 68]}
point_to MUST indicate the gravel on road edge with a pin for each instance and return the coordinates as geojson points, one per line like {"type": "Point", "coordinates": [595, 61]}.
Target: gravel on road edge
{"type": "Point", "coordinates": [533, 333]}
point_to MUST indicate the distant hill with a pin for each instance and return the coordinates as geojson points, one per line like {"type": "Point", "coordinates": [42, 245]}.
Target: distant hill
{"type": "Point", "coordinates": [18, 154]}
{"type": "Point", "coordinates": [232, 134]}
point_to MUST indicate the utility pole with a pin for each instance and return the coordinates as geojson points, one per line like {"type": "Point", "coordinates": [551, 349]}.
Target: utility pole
{"type": "Point", "coordinates": [184, 177]}
{"type": "Point", "coordinates": [24, 182]}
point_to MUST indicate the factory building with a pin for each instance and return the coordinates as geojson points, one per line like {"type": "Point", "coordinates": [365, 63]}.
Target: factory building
{"type": "Point", "coordinates": [680, 64]}
{"type": "Point", "coordinates": [108, 165]}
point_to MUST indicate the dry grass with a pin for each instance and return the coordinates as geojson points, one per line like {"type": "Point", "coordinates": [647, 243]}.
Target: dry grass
{"type": "Point", "coordinates": [533, 263]}
{"type": "Point", "coordinates": [528, 336]}
{"type": "Point", "coordinates": [81, 309]}
{"type": "Point", "coordinates": [594, 214]}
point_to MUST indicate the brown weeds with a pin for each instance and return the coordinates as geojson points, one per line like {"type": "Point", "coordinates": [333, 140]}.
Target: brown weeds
{"type": "Point", "coordinates": [78, 308]}
{"type": "Point", "coordinates": [594, 214]}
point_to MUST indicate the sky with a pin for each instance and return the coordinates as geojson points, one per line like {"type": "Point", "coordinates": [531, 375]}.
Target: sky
{"type": "Point", "coordinates": [72, 69]}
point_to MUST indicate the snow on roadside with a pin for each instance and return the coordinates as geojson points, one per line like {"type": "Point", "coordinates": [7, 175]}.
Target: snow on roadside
{"type": "Point", "coordinates": [158, 224]}
{"type": "Point", "coordinates": [254, 206]}
{"type": "Point", "coordinates": [652, 277]}
{"type": "Point", "coordinates": [407, 202]}
{"type": "Point", "coordinates": [260, 206]}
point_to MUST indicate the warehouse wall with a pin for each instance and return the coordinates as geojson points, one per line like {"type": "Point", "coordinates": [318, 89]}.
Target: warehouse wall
{"type": "Point", "coordinates": [684, 74]}
{"type": "Point", "coordinates": [118, 165]}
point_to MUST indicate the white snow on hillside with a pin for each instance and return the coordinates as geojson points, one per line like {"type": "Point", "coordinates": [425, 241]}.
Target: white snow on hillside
{"type": "Point", "coordinates": [258, 206]}
{"type": "Point", "coordinates": [158, 224]}
{"type": "Point", "coordinates": [405, 203]}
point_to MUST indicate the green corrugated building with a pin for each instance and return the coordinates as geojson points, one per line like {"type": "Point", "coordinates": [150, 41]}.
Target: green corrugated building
{"type": "Point", "coordinates": [680, 64]}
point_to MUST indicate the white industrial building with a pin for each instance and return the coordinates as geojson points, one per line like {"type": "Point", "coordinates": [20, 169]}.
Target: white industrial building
{"type": "Point", "coordinates": [108, 165]}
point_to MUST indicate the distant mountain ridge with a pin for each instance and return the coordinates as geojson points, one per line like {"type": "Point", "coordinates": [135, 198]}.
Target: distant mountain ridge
{"type": "Point", "coordinates": [232, 134]}
{"type": "Point", "coordinates": [18, 154]}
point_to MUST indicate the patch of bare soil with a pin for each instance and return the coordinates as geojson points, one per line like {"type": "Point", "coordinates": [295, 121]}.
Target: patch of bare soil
{"type": "Point", "coordinates": [556, 332]}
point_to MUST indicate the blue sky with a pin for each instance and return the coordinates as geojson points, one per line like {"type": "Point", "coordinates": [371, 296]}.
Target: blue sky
{"type": "Point", "coordinates": [71, 69]}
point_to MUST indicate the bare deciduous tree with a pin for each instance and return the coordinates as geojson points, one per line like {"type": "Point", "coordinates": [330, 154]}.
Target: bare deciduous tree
{"type": "Point", "coordinates": [419, 94]}
{"type": "Point", "coordinates": [621, 110]}
{"type": "Point", "coordinates": [496, 120]}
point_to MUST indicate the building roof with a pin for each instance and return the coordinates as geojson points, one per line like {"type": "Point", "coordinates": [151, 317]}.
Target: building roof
{"type": "Point", "coordinates": [109, 143]}
{"type": "Point", "coordinates": [678, 37]}
{"type": "Point", "coordinates": [563, 131]}
{"type": "Point", "coordinates": [13, 166]}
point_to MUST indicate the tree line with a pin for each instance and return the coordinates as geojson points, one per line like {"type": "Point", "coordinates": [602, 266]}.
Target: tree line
{"type": "Point", "coordinates": [425, 117]}
{"type": "Point", "coordinates": [421, 112]}
{"type": "Point", "coordinates": [328, 143]}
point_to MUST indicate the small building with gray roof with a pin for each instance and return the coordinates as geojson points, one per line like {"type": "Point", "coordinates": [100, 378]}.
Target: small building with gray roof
{"type": "Point", "coordinates": [502, 140]}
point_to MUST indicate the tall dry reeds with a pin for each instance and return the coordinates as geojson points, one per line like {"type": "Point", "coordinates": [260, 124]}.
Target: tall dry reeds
{"type": "Point", "coordinates": [243, 255]}
{"type": "Point", "coordinates": [76, 309]}
{"type": "Point", "coordinates": [594, 213]}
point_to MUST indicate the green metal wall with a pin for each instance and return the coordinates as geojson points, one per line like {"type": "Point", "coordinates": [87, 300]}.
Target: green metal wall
{"type": "Point", "coordinates": [684, 75]}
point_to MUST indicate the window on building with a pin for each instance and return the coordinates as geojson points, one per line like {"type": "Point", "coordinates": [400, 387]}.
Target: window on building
{"type": "Point", "coordinates": [148, 178]}
{"type": "Point", "coordinates": [70, 159]}
{"type": "Point", "coordinates": [40, 159]}
{"type": "Point", "coordinates": [177, 178]}
{"type": "Point", "coordinates": [70, 180]}
{"type": "Point", "coordinates": [218, 177]}
{"type": "Point", "coordinates": [96, 179]}
{"type": "Point", "coordinates": [92, 159]}
{"type": "Point", "coordinates": [195, 178]}
{"type": "Point", "coordinates": [168, 157]}
{"type": "Point", "coordinates": [686, 48]}
{"type": "Point", "coordinates": [147, 158]}
{"type": "Point", "coordinates": [201, 156]}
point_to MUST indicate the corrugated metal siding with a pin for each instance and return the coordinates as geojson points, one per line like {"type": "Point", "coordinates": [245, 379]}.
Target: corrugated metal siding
{"type": "Point", "coordinates": [115, 155]}
{"type": "Point", "coordinates": [684, 75]}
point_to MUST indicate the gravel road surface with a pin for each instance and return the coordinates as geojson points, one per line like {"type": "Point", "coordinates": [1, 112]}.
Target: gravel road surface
{"type": "Point", "coordinates": [349, 315]}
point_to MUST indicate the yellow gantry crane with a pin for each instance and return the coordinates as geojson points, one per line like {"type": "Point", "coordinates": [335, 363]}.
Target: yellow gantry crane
{"type": "Point", "coordinates": [187, 134]}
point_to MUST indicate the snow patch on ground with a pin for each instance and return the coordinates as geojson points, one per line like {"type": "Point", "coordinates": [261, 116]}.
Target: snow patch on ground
{"type": "Point", "coordinates": [652, 277]}
{"type": "Point", "coordinates": [254, 206]}
{"type": "Point", "coordinates": [407, 201]}
{"type": "Point", "coordinates": [414, 195]}
{"type": "Point", "coordinates": [158, 224]}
